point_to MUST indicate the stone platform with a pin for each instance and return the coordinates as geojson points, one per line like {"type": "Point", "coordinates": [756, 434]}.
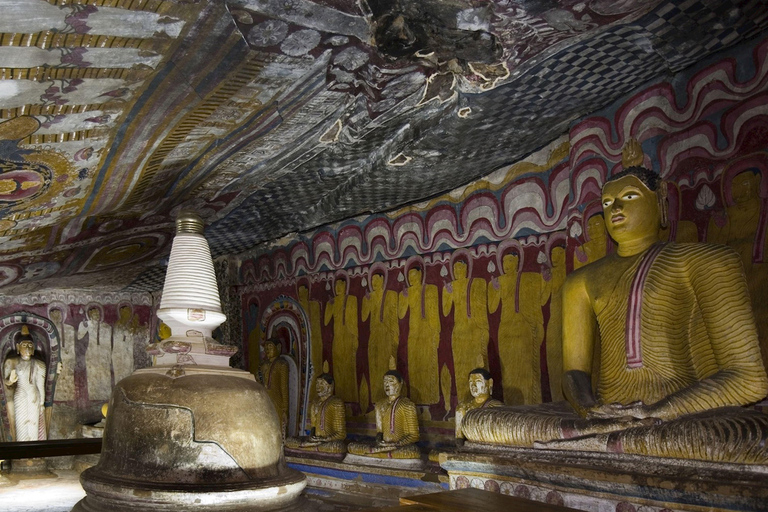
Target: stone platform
{"type": "Point", "coordinates": [369, 480]}
{"type": "Point", "coordinates": [608, 482]}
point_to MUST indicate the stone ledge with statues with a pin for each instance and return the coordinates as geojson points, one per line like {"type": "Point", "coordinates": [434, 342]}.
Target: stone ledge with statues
{"type": "Point", "coordinates": [608, 481]}
{"type": "Point", "coordinates": [373, 481]}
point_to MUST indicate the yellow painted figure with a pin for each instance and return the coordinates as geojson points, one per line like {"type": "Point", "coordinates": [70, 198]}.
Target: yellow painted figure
{"type": "Point", "coordinates": [678, 346]}
{"type": "Point", "coordinates": [327, 420]}
{"type": "Point", "coordinates": [312, 309]}
{"type": "Point", "coordinates": [421, 301]}
{"type": "Point", "coordinates": [397, 425]}
{"type": "Point", "coordinates": [738, 231]}
{"type": "Point", "coordinates": [518, 334]}
{"type": "Point", "coordinates": [596, 245]}
{"type": "Point", "coordinates": [469, 299]}
{"type": "Point", "coordinates": [380, 305]}
{"type": "Point", "coordinates": [342, 309]}
{"type": "Point", "coordinates": [554, 325]}
{"type": "Point", "coordinates": [480, 388]}
{"type": "Point", "coordinates": [274, 377]}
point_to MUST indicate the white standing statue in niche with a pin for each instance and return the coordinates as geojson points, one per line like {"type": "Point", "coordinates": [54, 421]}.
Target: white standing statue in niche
{"type": "Point", "coordinates": [24, 380]}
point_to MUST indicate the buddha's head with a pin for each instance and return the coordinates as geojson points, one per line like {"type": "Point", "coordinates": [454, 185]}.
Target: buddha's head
{"type": "Point", "coordinates": [94, 314]}
{"type": "Point", "coordinates": [558, 257]}
{"type": "Point", "coordinates": [510, 263]}
{"type": "Point", "coordinates": [340, 287]}
{"type": "Point", "coordinates": [56, 315]}
{"type": "Point", "coordinates": [480, 383]}
{"type": "Point", "coordinates": [377, 281]}
{"type": "Point", "coordinates": [745, 186]}
{"type": "Point", "coordinates": [414, 276]}
{"type": "Point", "coordinates": [631, 205]}
{"type": "Point", "coordinates": [25, 345]}
{"type": "Point", "coordinates": [596, 228]}
{"type": "Point", "coordinates": [125, 313]}
{"type": "Point", "coordinates": [393, 383]}
{"type": "Point", "coordinates": [324, 386]}
{"type": "Point", "coordinates": [272, 348]}
{"type": "Point", "coordinates": [303, 292]}
{"type": "Point", "coordinates": [460, 269]}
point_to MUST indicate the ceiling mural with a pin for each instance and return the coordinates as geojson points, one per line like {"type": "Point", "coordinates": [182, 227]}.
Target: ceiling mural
{"type": "Point", "coordinates": [270, 117]}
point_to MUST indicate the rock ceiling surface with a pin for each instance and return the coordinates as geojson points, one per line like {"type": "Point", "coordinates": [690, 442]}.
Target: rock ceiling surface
{"type": "Point", "coordinates": [275, 116]}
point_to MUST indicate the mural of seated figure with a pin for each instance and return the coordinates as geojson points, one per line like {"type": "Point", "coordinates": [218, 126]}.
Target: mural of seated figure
{"type": "Point", "coordinates": [327, 420]}
{"type": "Point", "coordinates": [397, 425]}
{"type": "Point", "coordinates": [678, 353]}
{"type": "Point", "coordinates": [480, 387]}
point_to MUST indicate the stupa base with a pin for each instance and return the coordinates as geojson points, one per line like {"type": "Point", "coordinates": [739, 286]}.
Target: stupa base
{"type": "Point", "coordinates": [106, 493]}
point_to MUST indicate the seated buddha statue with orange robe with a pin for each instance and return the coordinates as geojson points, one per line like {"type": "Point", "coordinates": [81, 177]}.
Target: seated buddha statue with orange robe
{"type": "Point", "coordinates": [678, 351]}
{"type": "Point", "coordinates": [397, 425]}
{"type": "Point", "coordinates": [327, 419]}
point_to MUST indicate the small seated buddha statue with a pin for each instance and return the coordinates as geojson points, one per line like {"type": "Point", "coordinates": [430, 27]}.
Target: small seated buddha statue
{"type": "Point", "coordinates": [480, 387]}
{"type": "Point", "coordinates": [327, 421]}
{"type": "Point", "coordinates": [397, 425]}
{"type": "Point", "coordinates": [678, 351]}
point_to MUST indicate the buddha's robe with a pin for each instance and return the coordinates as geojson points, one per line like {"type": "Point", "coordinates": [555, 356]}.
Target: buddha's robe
{"type": "Point", "coordinates": [329, 428]}
{"type": "Point", "coordinates": [469, 337]}
{"type": "Point", "coordinates": [381, 307]}
{"type": "Point", "coordinates": [274, 377]}
{"type": "Point", "coordinates": [694, 349]}
{"type": "Point", "coordinates": [421, 302]}
{"type": "Point", "coordinates": [343, 311]}
{"type": "Point", "coordinates": [398, 423]}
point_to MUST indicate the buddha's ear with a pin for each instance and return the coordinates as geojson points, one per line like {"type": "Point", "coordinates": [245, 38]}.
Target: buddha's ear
{"type": "Point", "coordinates": [490, 385]}
{"type": "Point", "coordinates": [662, 193]}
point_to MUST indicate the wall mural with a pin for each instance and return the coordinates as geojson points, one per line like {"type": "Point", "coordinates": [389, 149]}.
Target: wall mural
{"type": "Point", "coordinates": [97, 344]}
{"type": "Point", "coordinates": [476, 276]}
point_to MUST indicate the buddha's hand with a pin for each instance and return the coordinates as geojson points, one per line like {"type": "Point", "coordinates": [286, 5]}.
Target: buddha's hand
{"type": "Point", "coordinates": [13, 377]}
{"type": "Point", "coordinates": [449, 287]}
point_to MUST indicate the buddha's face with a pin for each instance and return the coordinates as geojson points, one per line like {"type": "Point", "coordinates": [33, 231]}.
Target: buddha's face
{"type": "Point", "coordinates": [558, 257]}
{"type": "Point", "coordinates": [341, 287]}
{"type": "Point", "coordinates": [125, 313]}
{"type": "Point", "coordinates": [745, 187]}
{"type": "Point", "coordinates": [271, 350]}
{"type": "Point", "coordinates": [631, 210]}
{"type": "Point", "coordinates": [509, 263]}
{"type": "Point", "coordinates": [56, 315]}
{"type": "Point", "coordinates": [26, 349]}
{"type": "Point", "coordinates": [392, 386]}
{"type": "Point", "coordinates": [377, 282]}
{"type": "Point", "coordinates": [478, 386]}
{"type": "Point", "coordinates": [596, 227]}
{"type": "Point", "coordinates": [414, 276]}
{"type": "Point", "coordinates": [303, 293]}
{"type": "Point", "coordinates": [324, 389]}
{"type": "Point", "coordinates": [460, 270]}
{"type": "Point", "coordinates": [93, 314]}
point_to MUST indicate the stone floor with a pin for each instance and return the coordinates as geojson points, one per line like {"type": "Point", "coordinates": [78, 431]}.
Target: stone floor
{"type": "Point", "coordinates": [61, 490]}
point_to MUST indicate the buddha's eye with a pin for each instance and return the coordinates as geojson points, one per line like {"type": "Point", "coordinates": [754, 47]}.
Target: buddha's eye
{"type": "Point", "coordinates": [607, 203]}
{"type": "Point", "coordinates": [631, 195]}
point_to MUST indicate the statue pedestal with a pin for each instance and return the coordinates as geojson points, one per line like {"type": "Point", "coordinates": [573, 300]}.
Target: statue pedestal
{"type": "Point", "coordinates": [409, 464]}
{"type": "Point", "coordinates": [371, 482]}
{"type": "Point", "coordinates": [603, 481]}
{"type": "Point", "coordinates": [31, 468]}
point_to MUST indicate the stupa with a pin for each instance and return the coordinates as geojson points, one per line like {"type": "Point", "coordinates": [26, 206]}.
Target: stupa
{"type": "Point", "coordinates": [190, 432]}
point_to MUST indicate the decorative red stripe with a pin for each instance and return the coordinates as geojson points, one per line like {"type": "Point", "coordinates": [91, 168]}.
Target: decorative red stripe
{"type": "Point", "coordinates": [635, 307]}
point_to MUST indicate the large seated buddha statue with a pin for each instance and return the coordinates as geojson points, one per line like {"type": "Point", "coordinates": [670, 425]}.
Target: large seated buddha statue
{"type": "Point", "coordinates": [397, 425]}
{"type": "Point", "coordinates": [327, 420]}
{"type": "Point", "coordinates": [678, 350]}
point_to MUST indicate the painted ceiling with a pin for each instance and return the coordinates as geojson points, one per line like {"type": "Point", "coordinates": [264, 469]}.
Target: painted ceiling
{"type": "Point", "coordinates": [270, 117]}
